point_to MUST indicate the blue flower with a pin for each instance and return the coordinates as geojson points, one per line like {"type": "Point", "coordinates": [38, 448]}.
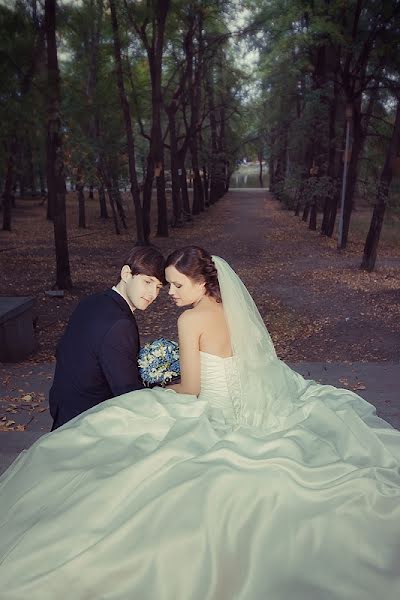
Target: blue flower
{"type": "Point", "coordinates": [159, 362]}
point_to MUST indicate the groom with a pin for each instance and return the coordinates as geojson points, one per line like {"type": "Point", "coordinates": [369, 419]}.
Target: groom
{"type": "Point", "coordinates": [96, 358]}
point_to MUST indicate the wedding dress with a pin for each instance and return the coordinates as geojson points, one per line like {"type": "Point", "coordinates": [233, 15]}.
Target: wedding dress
{"type": "Point", "coordinates": [158, 495]}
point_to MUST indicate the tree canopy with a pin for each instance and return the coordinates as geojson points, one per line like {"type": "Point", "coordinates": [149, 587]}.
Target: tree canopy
{"type": "Point", "coordinates": [153, 94]}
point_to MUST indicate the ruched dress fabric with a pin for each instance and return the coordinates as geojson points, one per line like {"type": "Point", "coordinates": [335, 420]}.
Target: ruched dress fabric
{"type": "Point", "coordinates": [157, 495]}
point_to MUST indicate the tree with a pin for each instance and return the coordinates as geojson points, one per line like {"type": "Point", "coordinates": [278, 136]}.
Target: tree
{"type": "Point", "coordinates": [375, 228]}
{"type": "Point", "coordinates": [319, 60]}
{"type": "Point", "coordinates": [141, 231]}
{"type": "Point", "coordinates": [22, 47]}
{"type": "Point", "coordinates": [149, 23]}
{"type": "Point", "coordinates": [55, 162]}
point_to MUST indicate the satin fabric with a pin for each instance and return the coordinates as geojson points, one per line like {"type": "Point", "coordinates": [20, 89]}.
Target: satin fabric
{"type": "Point", "coordinates": [156, 495]}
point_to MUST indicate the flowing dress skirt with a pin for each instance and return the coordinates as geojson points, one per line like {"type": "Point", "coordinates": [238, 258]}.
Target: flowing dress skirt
{"type": "Point", "coordinates": [146, 497]}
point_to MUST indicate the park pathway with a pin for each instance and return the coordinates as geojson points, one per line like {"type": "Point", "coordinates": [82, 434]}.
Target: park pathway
{"type": "Point", "coordinates": [322, 324]}
{"type": "Point", "coordinates": [314, 300]}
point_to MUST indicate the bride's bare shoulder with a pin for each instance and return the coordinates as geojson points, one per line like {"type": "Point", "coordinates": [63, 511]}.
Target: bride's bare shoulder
{"type": "Point", "coordinates": [189, 317]}
{"type": "Point", "coordinates": [208, 313]}
{"type": "Point", "coordinates": [199, 315]}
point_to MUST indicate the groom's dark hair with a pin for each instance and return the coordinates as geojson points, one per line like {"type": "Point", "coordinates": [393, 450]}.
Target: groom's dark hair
{"type": "Point", "coordinates": [146, 260]}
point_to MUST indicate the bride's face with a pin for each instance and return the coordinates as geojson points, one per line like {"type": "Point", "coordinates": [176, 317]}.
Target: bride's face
{"type": "Point", "coordinates": [183, 290]}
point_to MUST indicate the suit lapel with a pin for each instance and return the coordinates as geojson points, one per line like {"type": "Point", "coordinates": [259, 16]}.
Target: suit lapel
{"type": "Point", "coordinates": [122, 303]}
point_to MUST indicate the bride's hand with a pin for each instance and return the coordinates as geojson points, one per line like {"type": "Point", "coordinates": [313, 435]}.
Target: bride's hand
{"type": "Point", "coordinates": [174, 387]}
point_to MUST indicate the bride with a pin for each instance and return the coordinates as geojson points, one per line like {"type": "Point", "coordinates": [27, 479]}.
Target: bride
{"type": "Point", "coordinates": [244, 481]}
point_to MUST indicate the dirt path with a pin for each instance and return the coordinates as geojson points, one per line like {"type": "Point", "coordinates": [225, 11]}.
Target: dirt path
{"type": "Point", "coordinates": [316, 302]}
{"type": "Point", "coordinates": [317, 305]}
{"type": "Point", "coordinates": [349, 315]}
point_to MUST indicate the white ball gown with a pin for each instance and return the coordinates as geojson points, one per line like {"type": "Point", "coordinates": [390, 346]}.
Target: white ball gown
{"type": "Point", "coordinates": [158, 495]}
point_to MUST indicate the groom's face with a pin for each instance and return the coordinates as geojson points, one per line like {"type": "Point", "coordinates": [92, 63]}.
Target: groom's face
{"type": "Point", "coordinates": [142, 290]}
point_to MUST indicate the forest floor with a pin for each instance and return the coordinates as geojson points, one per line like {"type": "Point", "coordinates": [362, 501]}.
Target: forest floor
{"type": "Point", "coordinates": [317, 304]}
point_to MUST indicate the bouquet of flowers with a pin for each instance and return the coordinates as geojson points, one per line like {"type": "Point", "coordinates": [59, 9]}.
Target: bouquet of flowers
{"type": "Point", "coordinates": [159, 362]}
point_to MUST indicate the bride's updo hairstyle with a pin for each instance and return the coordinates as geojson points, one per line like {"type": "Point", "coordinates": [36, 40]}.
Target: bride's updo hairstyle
{"type": "Point", "coordinates": [197, 264]}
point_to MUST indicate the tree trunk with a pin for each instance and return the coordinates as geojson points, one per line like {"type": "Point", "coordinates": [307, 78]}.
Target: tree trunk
{"type": "Point", "coordinates": [105, 177]}
{"type": "Point", "coordinates": [155, 55]}
{"type": "Point", "coordinates": [355, 81]}
{"type": "Point", "coordinates": [205, 186]}
{"type": "Point", "coordinates": [31, 169]}
{"type": "Point", "coordinates": [8, 186]}
{"type": "Point", "coordinates": [184, 186]}
{"type": "Point", "coordinates": [334, 199]}
{"type": "Point", "coordinates": [352, 173]}
{"type": "Point", "coordinates": [330, 202]}
{"type": "Point", "coordinates": [162, 213]}
{"type": "Point", "coordinates": [177, 207]}
{"type": "Point", "coordinates": [280, 168]}
{"type": "Point", "coordinates": [81, 199]}
{"type": "Point", "coordinates": [42, 182]}
{"type": "Point", "coordinates": [198, 197]}
{"type": "Point", "coordinates": [271, 172]}
{"type": "Point", "coordinates": [306, 212]}
{"type": "Point", "coordinates": [81, 202]}
{"type": "Point", "coordinates": [50, 197]}
{"type": "Point", "coordinates": [214, 183]}
{"type": "Point", "coordinates": [20, 179]}
{"type": "Point", "coordinates": [228, 176]}
{"type": "Point", "coordinates": [360, 130]}
{"type": "Point", "coordinates": [372, 241]}
{"type": "Point", "coordinates": [135, 192]}
{"type": "Point", "coordinates": [147, 194]}
{"type": "Point", "coordinates": [194, 85]}
{"type": "Point", "coordinates": [114, 212]}
{"type": "Point", "coordinates": [117, 197]}
{"type": "Point", "coordinates": [102, 203]}
{"type": "Point", "coordinates": [55, 162]}
{"type": "Point", "coordinates": [375, 228]}
{"type": "Point", "coordinates": [223, 165]}
{"type": "Point", "coordinates": [204, 183]}
{"type": "Point", "coordinates": [297, 202]}
{"type": "Point", "coordinates": [325, 215]}
{"type": "Point", "coordinates": [94, 131]}
{"type": "Point", "coordinates": [313, 217]}
{"type": "Point", "coordinates": [154, 49]}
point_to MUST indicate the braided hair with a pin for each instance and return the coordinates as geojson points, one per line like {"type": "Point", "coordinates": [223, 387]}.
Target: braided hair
{"type": "Point", "coordinates": [197, 264]}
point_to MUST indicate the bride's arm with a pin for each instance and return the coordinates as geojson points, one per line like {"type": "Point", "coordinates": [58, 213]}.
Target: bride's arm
{"type": "Point", "coordinates": [189, 332]}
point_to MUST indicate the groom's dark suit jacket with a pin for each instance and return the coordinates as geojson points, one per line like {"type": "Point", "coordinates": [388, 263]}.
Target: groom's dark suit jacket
{"type": "Point", "coordinates": [96, 357]}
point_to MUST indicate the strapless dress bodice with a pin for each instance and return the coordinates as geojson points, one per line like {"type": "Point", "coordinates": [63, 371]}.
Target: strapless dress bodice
{"type": "Point", "coordinates": [216, 381]}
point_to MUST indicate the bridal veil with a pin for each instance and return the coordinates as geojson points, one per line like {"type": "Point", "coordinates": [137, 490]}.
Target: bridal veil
{"type": "Point", "coordinates": [268, 388]}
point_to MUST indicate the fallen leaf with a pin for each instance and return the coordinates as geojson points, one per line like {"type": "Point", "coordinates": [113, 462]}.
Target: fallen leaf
{"type": "Point", "coordinates": [359, 386]}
